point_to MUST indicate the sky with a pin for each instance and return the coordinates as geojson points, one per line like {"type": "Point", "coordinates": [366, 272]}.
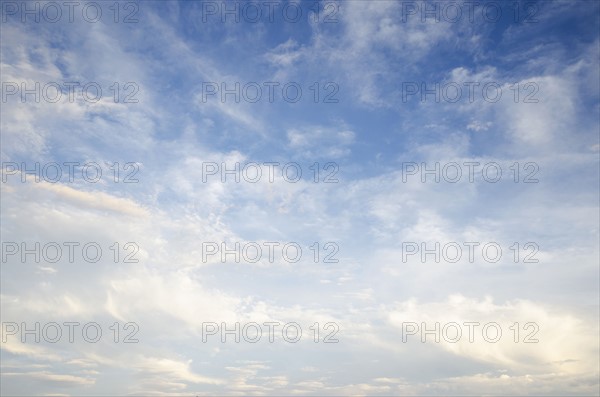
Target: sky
{"type": "Point", "coordinates": [300, 198]}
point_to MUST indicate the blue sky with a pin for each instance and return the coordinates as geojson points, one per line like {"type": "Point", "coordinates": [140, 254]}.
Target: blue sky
{"type": "Point", "coordinates": [365, 55]}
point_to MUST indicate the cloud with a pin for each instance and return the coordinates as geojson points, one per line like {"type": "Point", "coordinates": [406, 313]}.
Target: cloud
{"type": "Point", "coordinates": [370, 135]}
{"type": "Point", "coordinates": [95, 200]}
{"type": "Point", "coordinates": [567, 354]}
{"type": "Point", "coordinates": [69, 380]}
{"type": "Point", "coordinates": [321, 142]}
